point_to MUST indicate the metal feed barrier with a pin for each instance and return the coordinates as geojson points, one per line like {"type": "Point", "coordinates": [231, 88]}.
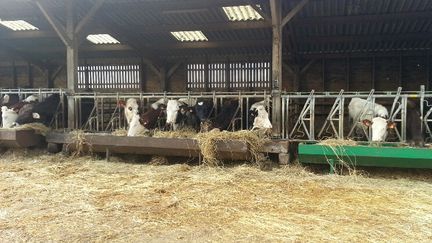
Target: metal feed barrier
{"type": "Point", "coordinates": [59, 119]}
{"type": "Point", "coordinates": [105, 115]}
{"type": "Point", "coordinates": [304, 116]}
{"type": "Point", "coordinates": [301, 113]}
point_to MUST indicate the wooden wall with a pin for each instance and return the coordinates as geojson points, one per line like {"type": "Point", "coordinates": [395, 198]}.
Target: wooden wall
{"type": "Point", "coordinates": [332, 74]}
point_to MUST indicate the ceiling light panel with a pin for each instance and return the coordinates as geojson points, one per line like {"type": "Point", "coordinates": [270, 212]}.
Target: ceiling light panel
{"type": "Point", "coordinates": [18, 25]}
{"type": "Point", "coordinates": [101, 39]}
{"type": "Point", "coordinates": [196, 35]}
{"type": "Point", "coordinates": [242, 13]}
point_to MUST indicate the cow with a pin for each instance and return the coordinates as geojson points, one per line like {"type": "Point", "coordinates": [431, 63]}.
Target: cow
{"type": "Point", "coordinates": [176, 108]}
{"type": "Point", "coordinates": [226, 116]}
{"type": "Point", "coordinates": [9, 117]}
{"type": "Point", "coordinates": [42, 112]}
{"type": "Point", "coordinates": [131, 107]}
{"type": "Point", "coordinates": [253, 112]}
{"type": "Point", "coordinates": [374, 116]}
{"type": "Point", "coordinates": [414, 134]}
{"type": "Point", "coordinates": [141, 123]}
{"type": "Point", "coordinates": [261, 120]}
{"type": "Point", "coordinates": [9, 100]}
{"type": "Point", "coordinates": [187, 118]}
{"type": "Point", "coordinates": [204, 109]}
{"type": "Point", "coordinates": [29, 100]}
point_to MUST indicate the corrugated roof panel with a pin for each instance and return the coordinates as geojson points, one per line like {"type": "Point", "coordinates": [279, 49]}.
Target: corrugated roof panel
{"type": "Point", "coordinates": [195, 35]}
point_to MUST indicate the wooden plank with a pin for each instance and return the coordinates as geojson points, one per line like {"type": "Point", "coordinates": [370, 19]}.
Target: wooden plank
{"type": "Point", "coordinates": [20, 138]}
{"type": "Point", "coordinates": [293, 12]}
{"type": "Point", "coordinates": [57, 26]}
{"type": "Point", "coordinates": [89, 15]}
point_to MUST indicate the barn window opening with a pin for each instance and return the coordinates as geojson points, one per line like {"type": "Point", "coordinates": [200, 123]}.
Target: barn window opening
{"type": "Point", "coordinates": [229, 75]}
{"type": "Point", "coordinates": [195, 35]}
{"type": "Point", "coordinates": [18, 25]}
{"type": "Point", "coordinates": [109, 77]}
{"type": "Point", "coordinates": [242, 13]}
{"type": "Point", "coordinates": [100, 39]}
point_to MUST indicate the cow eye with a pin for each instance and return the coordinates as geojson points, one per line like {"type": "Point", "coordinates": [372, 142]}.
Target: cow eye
{"type": "Point", "coordinates": [130, 108]}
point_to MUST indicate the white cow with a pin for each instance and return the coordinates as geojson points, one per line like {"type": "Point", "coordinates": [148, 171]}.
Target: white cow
{"type": "Point", "coordinates": [32, 98]}
{"type": "Point", "coordinates": [9, 117]}
{"type": "Point", "coordinates": [374, 116]}
{"type": "Point", "coordinates": [262, 120]}
{"type": "Point", "coordinates": [135, 127]}
{"type": "Point", "coordinates": [131, 108]}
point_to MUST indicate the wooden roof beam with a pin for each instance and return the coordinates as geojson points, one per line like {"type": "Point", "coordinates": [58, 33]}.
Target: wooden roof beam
{"type": "Point", "coordinates": [57, 26]}
{"type": "Point", "coordinates": [90, 14]}
{"type": "Point", "coordinates": [293, 12]}
{"type": "Point", "coordinates": [365, 38]}
{"type": "Point", "coordinates": [312, 21]}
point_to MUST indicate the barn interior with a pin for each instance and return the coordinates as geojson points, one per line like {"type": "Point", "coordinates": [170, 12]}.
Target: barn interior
{"type": "Point", "coordinates": [298, 53]}
{"type": "Point", "coordinates": [325, 45]}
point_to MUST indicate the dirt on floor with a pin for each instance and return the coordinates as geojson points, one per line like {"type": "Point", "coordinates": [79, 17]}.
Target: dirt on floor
{"type": "Point", "coordinates": [57, 198]}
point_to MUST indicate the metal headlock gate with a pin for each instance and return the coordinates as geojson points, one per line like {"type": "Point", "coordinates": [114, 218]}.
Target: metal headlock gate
{"type": "Point", "coordinates": [59, 119]}
{"type": "Point", "coordinates": [301, 113]}
{"type": "Point", "coordinates": [105, 114]}
{"type": "Point", "coordinates": [304, 116]}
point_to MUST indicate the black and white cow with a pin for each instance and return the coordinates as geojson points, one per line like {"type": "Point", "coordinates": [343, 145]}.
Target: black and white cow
{"type": "Point", "coordinates": [42, 112]}
{"type": "Point", "coordinates": [183, 108]}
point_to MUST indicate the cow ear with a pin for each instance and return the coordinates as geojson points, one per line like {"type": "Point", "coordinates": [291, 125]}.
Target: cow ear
{"type": "Point", "coordinates": [36, 115]}
{"type": "Point", "coordinates": [121, 103]}
{"type": "Point", "coordinates": [391, 125]}
{"type": "Point", "coordinates": [367, 122]}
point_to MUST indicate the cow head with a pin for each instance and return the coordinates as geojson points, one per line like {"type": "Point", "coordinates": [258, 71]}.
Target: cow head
{"type": "Point", "coordinates": [379, 128]}
{"type": "Point", "coordinates": [204, 109]}
{"type": "Point", "coordinates": [173, 107]}
{"type": "Point", "coordinates": [131, 108]}
{"type": "Point", "coordinates": [32, 98]}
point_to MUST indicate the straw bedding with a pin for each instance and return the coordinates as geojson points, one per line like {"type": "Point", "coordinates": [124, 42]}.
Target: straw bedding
{"type": "Point", "coordinates": [56, 198]}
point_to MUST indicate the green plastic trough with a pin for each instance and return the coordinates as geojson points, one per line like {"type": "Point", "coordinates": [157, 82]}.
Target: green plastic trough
{"type": "Point", "coordinates": [377, 156]}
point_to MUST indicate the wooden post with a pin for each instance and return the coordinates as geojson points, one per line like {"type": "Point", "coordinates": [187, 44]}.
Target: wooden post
{"type": "Point", "coordinates": [428, 72]}
{"type": "Point", "coordinates": [14, 75]}
{"type": "Point", "coordinates": [30, 75]}
{"type": "Point", "coordinates": [143, 75]}
{"type": "Point", "coordinates": [323, 74]}
{"type": "Point", "coordinates": [276, 8]}
{"type": "Point", "coordinates": [347, 73]}
{"type": "Point", "coordinates": [163, 78]}
{"type": "Point", "coordinates": [227, 75]}
{"type": "Point", "coordinates": [206, 75]}
{"type": "Point", "coordinates": [373, 72]}
{"type": "Point", "coordinates": [71, 61]}
{"type": "Point", "coordinates": [400, 71]}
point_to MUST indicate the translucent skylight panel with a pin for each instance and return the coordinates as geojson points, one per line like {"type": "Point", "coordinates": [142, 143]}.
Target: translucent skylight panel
{"type": "Point", "coordinates": [18, 25]}
{"type": "Point", "coordinates": [196, 35]}
{"type": "Point", "coordinates": [241, 13]}
{"type": "Point", "coordinates": [100, 39]}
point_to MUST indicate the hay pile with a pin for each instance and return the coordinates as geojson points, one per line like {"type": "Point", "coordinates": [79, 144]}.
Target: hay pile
{"type": "Point", "coordinates": [39, 128]}
{"type": "Point", "coordinates": [208, 143]}
{"type": "Point", "coordinates": [342, 165]}
{"type": "Point", "coordinates": [181, 133]}
{"type": "Point", "coordinates": [53, 198]}
{"type": "Point", "coordinates": [79, 145]}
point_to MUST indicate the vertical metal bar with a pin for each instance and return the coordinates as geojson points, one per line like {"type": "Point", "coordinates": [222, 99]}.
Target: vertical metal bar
{"type": "Point", "coordinates": [403, 114]}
